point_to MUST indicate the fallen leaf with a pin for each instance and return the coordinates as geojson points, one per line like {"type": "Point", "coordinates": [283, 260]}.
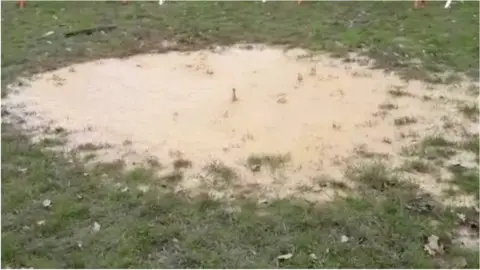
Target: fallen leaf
{"type": "Point", "coordinates": [96, 227]}
{"type": "Point", "coordinates": [462, 217]}
{"type": "Point", "coordinates": [285, 256]}
{"type": "Point", "coordinates": [344, 239]}
{"type": "Point", "coordinates": [125, 189]}
{"type": "Point", "coordinates": [41, 222]}
{"type": "Point", "coordinates": [47, 203]}
{"type": "Point", "coordinates": [432, 247]}
{"type": "Point", "coordinates": [313, 256]}
{"type": "Point", "coordinates": [49, 33]}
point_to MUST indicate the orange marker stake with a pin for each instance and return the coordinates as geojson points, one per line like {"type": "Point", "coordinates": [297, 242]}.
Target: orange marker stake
{"type": "Point", "coordinates": [420, 3]}
{"type": "Point", "coordinates": [21, 3]}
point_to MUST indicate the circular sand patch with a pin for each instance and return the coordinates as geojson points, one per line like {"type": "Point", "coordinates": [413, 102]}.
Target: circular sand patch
{"type": "Point", "coordinates": [291, 118]}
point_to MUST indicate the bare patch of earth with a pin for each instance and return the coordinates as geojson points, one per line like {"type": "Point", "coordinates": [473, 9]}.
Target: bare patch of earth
{"type": "Point", "coordinates": [274, 122]}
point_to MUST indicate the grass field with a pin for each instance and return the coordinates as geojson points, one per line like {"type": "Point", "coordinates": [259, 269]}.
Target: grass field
{"type": "Point", "coordinates": [90, 223]}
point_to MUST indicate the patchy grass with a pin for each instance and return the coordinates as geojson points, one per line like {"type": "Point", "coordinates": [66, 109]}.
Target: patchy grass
{"type": "Point", "coordinates": [470, 111]}
{"type": "Point", "coordinates": [385, 226]}
{"type": "Point", "coordinates": [182, 163]}
{"type": "Point", "coordinates": [387, 32]}
{"type": "Point", "coordinates": [375, 176]}
{"type": "Point", "coordinates": [220, 171]}
{"type": "Point", "coordinates": [472, 143]}
{"type": "Point", "coordinates": [432, 148]}
{"type": "Point", "coordinates": [273, 162]}
{"type": "Point", "coordinates": [172, 177]}
{"type": "Point", "coordinates": [397, 91]}
{"type": "Point", "coordinates": [148, 230]}
{"type": "Point", "coordinates": [419, 166]}
{"type": "Point", "coordinates": [153, 162]}
{"type": "Point", "coordinates": [388, 106]}
{"type": "Point", "coordinates": [405, 120]}
{"type": "Point", "coordinates": [92, 147]}
{"type": "Point", "coordinates": [467, 180]}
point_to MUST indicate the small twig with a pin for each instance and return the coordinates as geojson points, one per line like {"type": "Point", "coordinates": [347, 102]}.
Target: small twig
{"type": "Point", "coordinates": [234, 95]}
{"type": "Point", "coordinates": [90, 31]}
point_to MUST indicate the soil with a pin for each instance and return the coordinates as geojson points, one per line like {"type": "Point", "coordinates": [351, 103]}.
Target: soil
{"type": "Point", "coordinates": [319, 111]}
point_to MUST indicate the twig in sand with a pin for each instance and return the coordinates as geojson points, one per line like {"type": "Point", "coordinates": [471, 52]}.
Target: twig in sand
{"type": "Point", "coordinates": [234, 95]}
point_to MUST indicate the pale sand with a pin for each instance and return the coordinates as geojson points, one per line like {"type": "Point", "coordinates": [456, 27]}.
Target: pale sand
{"type": "Point", "coordinates": [319, 110]}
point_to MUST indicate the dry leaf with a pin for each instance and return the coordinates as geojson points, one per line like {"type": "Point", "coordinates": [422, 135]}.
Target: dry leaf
{"type": "Point", "coordinates": [96, 227]}
{"type": "Point", "coordinates": [49, 33]}
{"type": "Point", "coordinates": [41, 222]}
{"type": "Point", "coordinates": [344, 239]}
{"type": "Point", "coordinates": [432, 247]}
{"type": "Point", "coordinates": [47, 203]}
{"type": "Point", "coordinates": [285, 256]}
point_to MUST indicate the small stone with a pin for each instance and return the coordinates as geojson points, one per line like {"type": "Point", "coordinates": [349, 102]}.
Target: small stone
{"type": "Point", "coordinates": [344, 239]}
{"type": "Point", "coordinates": [313, 256]}
{"type": "Point", "coordinates": [125, 189]}
{"type": "Point", "coordinates": [41, 222]}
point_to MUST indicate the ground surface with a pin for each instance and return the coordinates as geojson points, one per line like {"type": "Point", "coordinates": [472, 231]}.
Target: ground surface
{"type": "Point", "coordinates": [57, 212]}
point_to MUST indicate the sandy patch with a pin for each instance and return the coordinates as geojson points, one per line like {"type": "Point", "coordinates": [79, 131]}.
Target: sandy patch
{"type": "Point", "coordinates": [317, 111]}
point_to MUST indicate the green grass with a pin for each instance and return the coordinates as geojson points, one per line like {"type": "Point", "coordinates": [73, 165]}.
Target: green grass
{"type": "Point", "coordinates": [386, 223]}
{"type": "Point", "coordinates": [148, 230]}
{"type": "Point", "coordinates": [273, 162]}
{"type": "Point", "coordinates": [392, 33]}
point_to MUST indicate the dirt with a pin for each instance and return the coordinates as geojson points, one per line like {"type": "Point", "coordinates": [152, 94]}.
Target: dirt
{"type": "Point", "coordinates": [319, 111]}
